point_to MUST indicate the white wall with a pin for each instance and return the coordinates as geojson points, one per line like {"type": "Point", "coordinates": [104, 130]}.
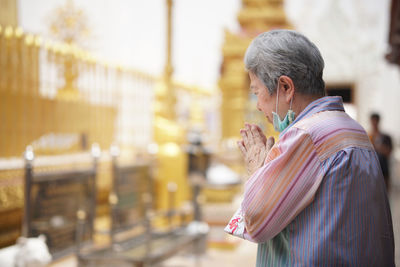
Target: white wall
{"type": "Point", "coordinates": [133, 32]}
{"type": "Point", "coordinates": [352, 36]}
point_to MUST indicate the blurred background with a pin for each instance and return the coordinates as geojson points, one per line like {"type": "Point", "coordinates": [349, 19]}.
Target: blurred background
{"type": "Point", "coordinates": [161, 83]}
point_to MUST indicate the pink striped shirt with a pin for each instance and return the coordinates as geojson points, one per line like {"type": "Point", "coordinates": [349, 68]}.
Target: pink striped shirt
{"type": "Point", "coordinates": [294, 205]}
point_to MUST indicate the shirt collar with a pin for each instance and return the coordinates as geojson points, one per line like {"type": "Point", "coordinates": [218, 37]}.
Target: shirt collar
{"type": "Point", "coordinates": [321, 104]}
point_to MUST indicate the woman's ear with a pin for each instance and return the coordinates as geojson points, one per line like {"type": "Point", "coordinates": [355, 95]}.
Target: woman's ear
{"type": "Point", "coordinates": [288, 87]}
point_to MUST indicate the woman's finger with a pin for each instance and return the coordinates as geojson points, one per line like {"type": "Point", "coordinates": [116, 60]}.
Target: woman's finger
{"type": "Point", "coordinates": [264, 138]}
{"type": "Point", "coordinates": [258, 138]}
{"type": "Point", "coordinates": [243, 133]}
{"type": "Point", "coordinates": [242, 147]}
{"type": "Point", "coordinates": [250, 136]}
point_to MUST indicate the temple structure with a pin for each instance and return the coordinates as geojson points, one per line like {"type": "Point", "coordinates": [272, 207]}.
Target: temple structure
{"type": "Point", "coordinates": [59, 99]}
{"type": "Point", "coordinates": [256, 16]}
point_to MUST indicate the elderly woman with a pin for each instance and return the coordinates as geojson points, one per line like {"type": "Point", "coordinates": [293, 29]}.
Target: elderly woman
{"type": "Point", "coordinates": [317, 197]}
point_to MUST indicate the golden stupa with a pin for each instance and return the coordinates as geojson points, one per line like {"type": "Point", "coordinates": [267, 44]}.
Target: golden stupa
{"type": "Point", "coordinates": [255, 17]}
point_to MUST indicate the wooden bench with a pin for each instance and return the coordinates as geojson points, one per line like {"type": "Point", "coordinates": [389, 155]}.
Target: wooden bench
{"type": "Point", "coordinates": [52, 201]}
{"type": "Point", "coordinates": [135, 241]}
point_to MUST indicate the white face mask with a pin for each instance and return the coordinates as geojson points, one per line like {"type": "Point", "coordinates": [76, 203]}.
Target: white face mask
{"type": "Point", "coordinates": [280, 125]}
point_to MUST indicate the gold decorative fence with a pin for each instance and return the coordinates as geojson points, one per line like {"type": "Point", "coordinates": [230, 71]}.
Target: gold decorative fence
{"type": "Point", "coordinates": [60, 99]}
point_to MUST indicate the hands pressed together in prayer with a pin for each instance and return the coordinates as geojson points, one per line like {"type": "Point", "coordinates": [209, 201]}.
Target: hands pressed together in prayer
{"type": "Point", "coordinates": [254, 146]}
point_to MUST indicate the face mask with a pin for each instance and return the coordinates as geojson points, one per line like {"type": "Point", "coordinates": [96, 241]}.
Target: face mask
{"type": "Point", "coordinates": [279, 125]}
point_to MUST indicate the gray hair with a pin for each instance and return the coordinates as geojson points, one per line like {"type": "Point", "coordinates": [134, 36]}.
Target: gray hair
{"type": "Point", "coordinates": [284, 52]}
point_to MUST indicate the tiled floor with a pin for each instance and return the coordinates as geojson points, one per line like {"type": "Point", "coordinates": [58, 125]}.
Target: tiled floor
{"type": "Point", "coordinates": [245, 253]}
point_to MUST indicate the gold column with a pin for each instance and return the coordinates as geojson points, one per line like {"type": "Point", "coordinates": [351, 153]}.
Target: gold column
{"type": "Point", "coordinates": [3, 71]}
{"type": "Point", "coordinates": [35, 118]}
{"type": "Point", "coordinates": [19, 61]}
{"type": "Point", "coordinates": [9, 89]}
{"type": "Point", "coordinates": [165, 92]}
{"type": "Point", "coordinates": [2, 59]}
{"type": "Point", "coordinates": [169, 135]}
{"type": "Point", "coordinates": [20, 103]}
{"type": "Point", "coordinates": [168, 71]}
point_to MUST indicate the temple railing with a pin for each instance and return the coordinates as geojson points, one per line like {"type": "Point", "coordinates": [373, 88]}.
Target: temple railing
{"type": "Point", "coordinates": [60, 99]}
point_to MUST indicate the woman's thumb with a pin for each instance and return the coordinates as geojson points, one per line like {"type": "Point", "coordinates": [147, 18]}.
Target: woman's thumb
{"type": "Point", "coordinates": [270, 143]}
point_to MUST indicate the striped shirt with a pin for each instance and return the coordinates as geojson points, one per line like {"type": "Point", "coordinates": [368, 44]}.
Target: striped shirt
{"type": "Point", "coordinates": [320, 198]}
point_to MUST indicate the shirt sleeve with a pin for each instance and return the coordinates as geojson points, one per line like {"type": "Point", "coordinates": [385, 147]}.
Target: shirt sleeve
{"type": "Point", "coordinates": [282, 188]}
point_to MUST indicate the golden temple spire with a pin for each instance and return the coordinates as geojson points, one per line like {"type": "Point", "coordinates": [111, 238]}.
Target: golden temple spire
{"type": "Point", "coordinates": [256, 16]}
{"type": "Point", "coordinates": [262, 15]}
{"type": "Point", "coordinates": [165, 93]}
{"type": "Point", "coordinates": [168, 65]}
